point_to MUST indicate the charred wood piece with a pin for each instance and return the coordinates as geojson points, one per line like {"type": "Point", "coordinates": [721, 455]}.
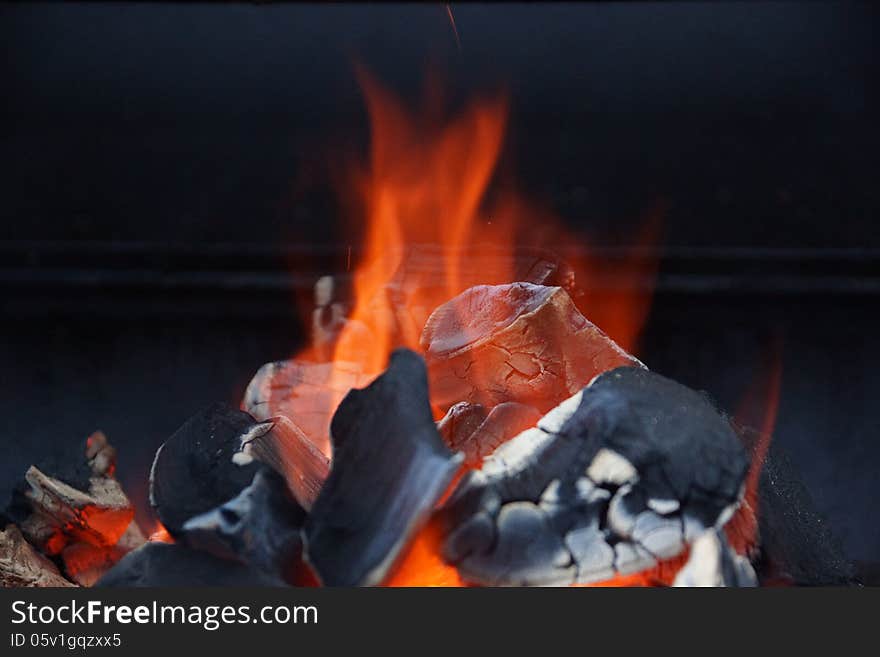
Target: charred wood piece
{"type": "Point", "coordinates": [260, 527]}
{"type": "Point", "coordinates": [56, 501]}
{"type": "Point", "coordinates": [621, 476]}
{"type": "Point", "coordinates": [305, 392]}
{"type": "Point", "coordinates": [194, 471]}
{"type": "Point", "coordinates": [163, 564]}
{"type": "Point", "coordinates": [90, 528]}
{"type": "Point", "coordinates": [62, 514]}
{"type": "Point", "coordinates": [62, 459]}
{"type": "Point", "coordinates": [713, 563]}
{"type": "Point", "coordinates": [519, 342]}
{"type": "Point", "coordinates": [390, 467]}
{"type": "Point", "coordinates": [21, 565]}
{"type": "Point", "coordinates": [286, 449]}
{"type": "Point", "coordinates": [85, 563]}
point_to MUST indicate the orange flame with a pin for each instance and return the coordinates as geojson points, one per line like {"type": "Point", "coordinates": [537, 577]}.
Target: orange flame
{"type": "Point", "coordinates": [425, 186]}
{"type": "Point", "coordinates": [159, 534]}
{"type": "Point", "coordinates": [759, 408]}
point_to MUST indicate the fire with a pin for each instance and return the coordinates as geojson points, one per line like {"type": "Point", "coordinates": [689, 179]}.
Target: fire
{"type": "Point", "coordinates": [423, 566]}
{"type": "Point", "coordinates": [425, 185]}
{"type": "Point", "coordinates": [159, 534]}
{"type": "Point", "coordinates": [758, 409]}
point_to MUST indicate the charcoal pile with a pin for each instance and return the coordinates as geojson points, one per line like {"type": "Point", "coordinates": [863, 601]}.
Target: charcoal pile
{"type": "Point", "coordinates": [628, 473]}
{"type": "Point", "coordinates": [521, 447]}
{"type": "Point", "coordinates": [229, 488]}
{"type": "Point", "coordinates": [68, 526]}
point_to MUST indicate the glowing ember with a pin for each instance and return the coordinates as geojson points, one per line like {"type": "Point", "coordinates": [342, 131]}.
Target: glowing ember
{"type": "Point", "coordinates": [160, 534]}
{"type": "Point", "coordinates": [758, 409]}
{"type": "Point", "coordinates": [422, 564]}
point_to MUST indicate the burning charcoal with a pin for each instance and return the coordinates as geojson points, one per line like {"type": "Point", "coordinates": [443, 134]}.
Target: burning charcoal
{"type": "Point", "coordinates": [288, 450]}
{"type": "Point", "coordinates": [90, 528]}
{"type": "Point", "coordinates": [713, 563]}
{"type": "Point", "coordinates": [613, 481]}
{"type": "Point", "coordinates": [163, 564]}
{"type": "Point", "coordinates": [389, 469]}
{"type": "Point", "coordinates": [305, 392]}
{"type": "Point", "coordinates": [21, 565]}
{"type": "Point", "coordinates": [61, 513]}
{"type": "Point", "coordinates": [518, 342]}
{"type": "Point", "coordinates": [260, 527]}
{"type": "Point", "coordinates": [85, 563]}
{"type": "Point", "coordinates": [69, 495]}
{"type": "Point", "coordinates": [194, 471]}
{"type": "Point", "coordinates": [503, 423]}
{"type": "Point", "coordinates": [469, 429]}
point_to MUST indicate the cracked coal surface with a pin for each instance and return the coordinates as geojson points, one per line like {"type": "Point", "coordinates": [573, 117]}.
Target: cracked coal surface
{"type": "Point", "coordinates": [514, 343]}
{"type": "Point", "coordinates": [624, 474]}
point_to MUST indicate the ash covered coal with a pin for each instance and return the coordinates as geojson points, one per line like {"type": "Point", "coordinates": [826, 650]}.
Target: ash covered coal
{"type": "Point", "coordinates": [795, 544]}
{"type": "Point", "coordinates": [83, 531]}
{"type": "Point", "coordinates": [621, 476]}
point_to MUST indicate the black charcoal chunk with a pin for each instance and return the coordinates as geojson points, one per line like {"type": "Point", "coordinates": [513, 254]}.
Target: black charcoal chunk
{"type": "Point", "coordinates": [617, 476]}
{"type": "Point", "coordinates": [174, 565]}
{"type": "Point", "coordinates": [194, 472]}
{"type": "Point", "coordinates": [525, 548]}
{"type": "Point", "coordinates": [259, 527]}
{"type": "Point", "coordinates": [389, 469]}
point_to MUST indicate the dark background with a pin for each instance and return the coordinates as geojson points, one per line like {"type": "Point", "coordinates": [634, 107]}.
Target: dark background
{"type": "Point", "coordinates": [162, 199]}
